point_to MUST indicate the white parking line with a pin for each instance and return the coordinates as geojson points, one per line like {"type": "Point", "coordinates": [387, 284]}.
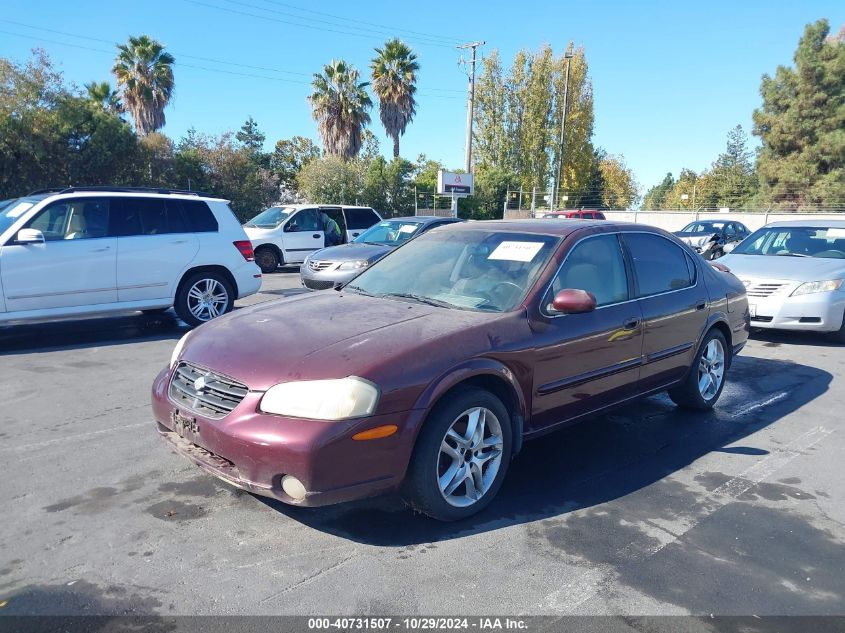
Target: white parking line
{"type": "Point", "coordinates": [759, 405]}
{"type": "Point", "coordinates": [589, 583]}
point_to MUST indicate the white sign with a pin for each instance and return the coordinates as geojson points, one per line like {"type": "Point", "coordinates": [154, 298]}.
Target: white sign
{"type": "Point", "coordinates": [451, 183]}
{"type": "Point", "coordinates": [516, 251]}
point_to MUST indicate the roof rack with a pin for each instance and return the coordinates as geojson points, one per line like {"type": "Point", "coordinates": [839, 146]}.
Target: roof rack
{"type": "Point", "coordinates": [106, 188]}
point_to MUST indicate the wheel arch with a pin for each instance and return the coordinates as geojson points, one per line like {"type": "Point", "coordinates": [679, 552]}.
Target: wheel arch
{"type": "Point", "coordinates": [274, 248]}
{"type": "Point", "coordinates": [222, 270]}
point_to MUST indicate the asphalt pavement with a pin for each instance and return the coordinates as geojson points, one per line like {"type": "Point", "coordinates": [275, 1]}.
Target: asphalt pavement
{"type": "Point", "coordinates": [647, 510]}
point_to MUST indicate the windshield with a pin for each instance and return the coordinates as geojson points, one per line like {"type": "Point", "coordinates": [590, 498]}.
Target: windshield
{"type": "Point", "coordinates": [270, 218]}
{"type": "Point", "coordinates": [795, 241]}
{"type": "Point", "coordinates": [479, 270]}
{"type": "Point", "coordinates": [703, 227]}
{"type": "Point", "coordinates": [389, 232]}
{"type": "Point", "coordinates": [11, 210]}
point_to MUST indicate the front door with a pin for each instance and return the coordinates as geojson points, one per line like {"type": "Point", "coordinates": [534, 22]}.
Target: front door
{"type": "Point", "coordinates": [303, 234]}
{"type": "Point", "coordinates": [585, 362]}
{"type": "Point", "coordinates": [75, 266]}
{"type": "Point", "coordinates": [672, 298]}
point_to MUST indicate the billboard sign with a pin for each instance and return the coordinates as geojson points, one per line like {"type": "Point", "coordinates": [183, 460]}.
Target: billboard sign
{"type": "Point", "coordinates": [451, 183]}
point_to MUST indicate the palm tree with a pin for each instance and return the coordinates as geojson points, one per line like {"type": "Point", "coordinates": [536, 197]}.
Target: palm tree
{"type": "Point", "coordinates": [394, 83]}
{"type": "Point", "coordinates": [340, 104]}
{"type": "Point", "coordinates": [144, 72]}
{"type": "Point", "coordinates": [101, 93]}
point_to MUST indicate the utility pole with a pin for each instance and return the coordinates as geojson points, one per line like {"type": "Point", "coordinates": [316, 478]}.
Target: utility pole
{"type": "Point", "coordinates": [568, 55]}
{"type": "Point", "coordinates": [470, 104]}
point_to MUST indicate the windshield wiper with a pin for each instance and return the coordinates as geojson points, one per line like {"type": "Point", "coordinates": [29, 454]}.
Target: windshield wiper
{"type": "Point", "coordinates": [420, 299]}
{"type": "Point", "coordinates": [792, 255]}
{"type": "Point", "coordinates": [359, 290]}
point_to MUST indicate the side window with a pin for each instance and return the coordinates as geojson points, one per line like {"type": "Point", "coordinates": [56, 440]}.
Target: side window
{"type": "Point", "coordinates": [589, 216]}
{"type": "Point", "coordinates": [198, 216]}
{"type": "Point", "coordinates": [730, 231]}
{"type": "Point", "coordinates": [308, 220]}
{"type": "Point", "coordinates": [74, 219]}
{"type": "Point", "coordinates": [150, 216]}
{"type": "Point", "coordinates": [358, 219]}
{"type": "Point", "coordinates": [659, 265]}
{"type": "Point", "coordinates": [595, 265]}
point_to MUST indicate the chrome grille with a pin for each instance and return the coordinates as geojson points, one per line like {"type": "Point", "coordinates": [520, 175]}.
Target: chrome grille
{"type": "Point", "coordinates": [317, 266]}
{"type": "Point", "coordinates": [205, 392]}
{"type": "Point", "coordinates": [763, 289]}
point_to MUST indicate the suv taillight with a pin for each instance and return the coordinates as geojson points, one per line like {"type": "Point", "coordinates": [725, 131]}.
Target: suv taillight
{"type": "Point", "coordinates": [245, 249]}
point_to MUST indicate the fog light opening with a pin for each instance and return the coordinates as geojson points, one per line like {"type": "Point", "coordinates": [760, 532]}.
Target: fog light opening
{"type": "Point", "coordinates": [293, 488]}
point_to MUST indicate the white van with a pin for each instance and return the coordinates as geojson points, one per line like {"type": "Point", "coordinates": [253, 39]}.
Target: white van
{"type": "Point", "coordinates": [92, 250]}
{"type": "Point", "coordinates": [288, 234]}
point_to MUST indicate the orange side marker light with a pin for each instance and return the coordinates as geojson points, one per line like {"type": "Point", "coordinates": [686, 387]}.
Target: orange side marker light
{"type": "Point", "coordinates": [376, 433]}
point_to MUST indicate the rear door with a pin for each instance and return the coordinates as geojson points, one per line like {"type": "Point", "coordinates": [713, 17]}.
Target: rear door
{"type": "Point", "coordinates": [303, 234]}
{"type": "Point", "coordinates": [154, 246]}
{"type": "Point", "coordinates": [358, 220]}
{"type": "Point", "coordinates": [673, 301]}
{"type": "Point", "coordinates": [75, 266]}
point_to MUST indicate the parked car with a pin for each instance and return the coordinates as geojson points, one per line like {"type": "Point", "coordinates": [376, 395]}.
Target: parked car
{"type": "Point", "coordinates": [288, 234]}
{"type": "Point", "coordinates": [576, 214]}
{"type": "Point", "coordinates": [90, 250]}
{"type": "Point", "coordinates": [426, 372]}
{"type": "Point", "coordinates": [338, 264]}
{"type": "Point", "coordinates": [794, 274]}
{"type": "Point", "coordinates": [710, 237]}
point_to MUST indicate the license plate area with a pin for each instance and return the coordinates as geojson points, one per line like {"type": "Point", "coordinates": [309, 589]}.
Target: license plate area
{"type": "Point", "coordinates": [752, 310]}
{"type": "Point", "coordinates": [183, 424]}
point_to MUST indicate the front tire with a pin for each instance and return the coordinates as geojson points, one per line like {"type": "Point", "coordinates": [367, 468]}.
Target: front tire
{"type": "Point", "coordinates": [204, 296]}
{"type": "Point", "coordinates": [839, 335]}
{"type": "Point", "coordinates": [267, 260]}
{"type": "Point", "coordinates": [706, 379]}
{"type": "Point", "coordinates": [461, 456]}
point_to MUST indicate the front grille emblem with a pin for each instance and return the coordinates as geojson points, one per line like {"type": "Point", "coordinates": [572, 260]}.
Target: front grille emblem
{"type": "Point", "coordinates": [200, 383]}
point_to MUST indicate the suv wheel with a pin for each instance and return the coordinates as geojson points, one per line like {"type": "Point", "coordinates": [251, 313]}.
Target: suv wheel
{"type": "Point", "coordinates": [461, 456]}
{"type": "Point", "coordinates": [703, 386]}
{"type": "Point", "coordinates": [267, 260]}
{"type": "Point", "coordinates": [204, 296]}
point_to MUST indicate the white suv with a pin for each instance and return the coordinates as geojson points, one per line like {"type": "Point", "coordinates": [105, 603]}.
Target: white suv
{"type": "Point", "coordinates": [90, 250]}
{"type": "Point", "coordinates": [288, 234]}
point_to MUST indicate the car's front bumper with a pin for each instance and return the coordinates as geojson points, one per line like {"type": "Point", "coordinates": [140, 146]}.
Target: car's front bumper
{"type": "Point", "coordinates": [254, 450]}
{"type": "Point", "coordinates": [819, 312]}
{"type": "Point", "coordinates": [327, 277]}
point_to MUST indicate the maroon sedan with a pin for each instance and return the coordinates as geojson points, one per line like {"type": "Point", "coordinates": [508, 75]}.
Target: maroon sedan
{"type": "Point", "coordinates": [427, 371]}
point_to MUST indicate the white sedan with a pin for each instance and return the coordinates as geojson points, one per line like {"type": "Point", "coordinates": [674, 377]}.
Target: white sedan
{"type": "Point", "coordinates": [794, 274]}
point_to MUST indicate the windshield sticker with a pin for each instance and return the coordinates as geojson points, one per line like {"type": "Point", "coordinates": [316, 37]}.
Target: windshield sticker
{"type": "Point", "coordinates": [18, 209]}
{"type": "Point", "coordinates": [408, 228]}
{"type": "Point", "coordinates": [516, 251]}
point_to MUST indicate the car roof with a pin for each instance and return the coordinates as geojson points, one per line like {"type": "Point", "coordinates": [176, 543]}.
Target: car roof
{"type": "Point", "coordinates": [540, 226]}
{"type": "Point", "coordinates": [813, 224]}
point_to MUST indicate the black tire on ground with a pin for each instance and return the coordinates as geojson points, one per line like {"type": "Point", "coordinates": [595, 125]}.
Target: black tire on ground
{"type": "Point", "coordinates": [154, 311]}
{"type": "Point", "coordinates": [204, 282]}
{"type": "Point", "coordinates": [420, 489]}
{"type": "Point", "coordinates": [267, 259]}
{"type": "Point", "coordinates": [839, 335]}
{"type": "Point", "coordinates": [688, 394]}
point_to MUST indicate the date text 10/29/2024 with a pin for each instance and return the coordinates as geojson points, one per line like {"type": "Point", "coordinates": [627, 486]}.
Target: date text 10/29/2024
{"type": "Point", "coordinates": [417, 624]}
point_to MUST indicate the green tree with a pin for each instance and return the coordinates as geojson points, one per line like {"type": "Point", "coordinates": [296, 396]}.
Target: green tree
{"type": "Point", "coordinates": [340, 105]}
{"type": "Point", "coordinates": [250, 136]}
{"type": "Point", "coordinates": [394, 74]}
{"type": "Point", "coordinates": [491, 144]}
{"type": "Point", "coordinates": [732, 179]}
{"type": "Point", "coordinates": [144, 72]}
{"type": "Point", "coordinates": [101, 93]}
{"type": "Point", "coordinates": [290, 156]}
{"type": "Point", "coordinates": [619, 188]}
{"type": "Point", "coordinates": [655, 198]}
{"type": "Point", "coordinates": [801, 125]}
{"type": "Point", "coordinates": [330, 180]}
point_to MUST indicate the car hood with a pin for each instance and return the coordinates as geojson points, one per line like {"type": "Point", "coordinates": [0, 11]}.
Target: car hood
{"type": "Point", "coordinates": [784, 267]}
{"type": "Point", "coordinates": [351, 252]}
{"type": "Point", "coordinates": [321, 336]}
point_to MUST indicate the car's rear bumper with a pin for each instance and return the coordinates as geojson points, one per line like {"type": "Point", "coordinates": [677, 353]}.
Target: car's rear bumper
{"type": "Point", "coordinates": [819, 312]}
{"type": "Point", "coordinates": [254, 451]}
{"type": "Point", "coordinates": [248, 279]}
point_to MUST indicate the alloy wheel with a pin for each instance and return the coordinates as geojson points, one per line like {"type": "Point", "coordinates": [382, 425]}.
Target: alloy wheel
{"type": "Point", "coordinates": [711, 369]}
{"type": "Point", "coordinates": [470, 457]}
{"type": "Point", "coordinates": [207, 299]}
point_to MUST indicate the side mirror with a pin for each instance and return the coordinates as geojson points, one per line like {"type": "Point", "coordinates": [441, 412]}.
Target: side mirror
{"type": "Point", "coordinates": [291, 227]}
{"type": "Point", "coordinates": [727, 248]}
{"type": "Point", "coordinates": [29, 236]}
{"type": "Point", "coordinates": [572, 301]}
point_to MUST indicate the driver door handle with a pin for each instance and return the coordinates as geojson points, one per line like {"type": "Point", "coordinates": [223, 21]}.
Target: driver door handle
{"type": "Point", "coordinates": [631, 324]}
{"type": "Point", "coordinates": [101, 250]}
{"type": "Point", "coordinates": [316, 236]}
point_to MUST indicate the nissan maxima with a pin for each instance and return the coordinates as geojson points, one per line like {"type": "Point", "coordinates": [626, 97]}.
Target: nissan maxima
{"type": "Point", "coordinates": [427, 372]}
{"type": "Point", "coordinates": [794, 274]}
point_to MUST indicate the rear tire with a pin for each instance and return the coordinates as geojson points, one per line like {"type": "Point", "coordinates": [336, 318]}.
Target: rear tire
{"type": "Point", "coordinates": [267, 260]}
{"type": "Point", "coordinates": [203, 296]}
{"type": "Point", "coordinates": [461, 456]}
{"type": "Point", "coordinates": [706, 379]}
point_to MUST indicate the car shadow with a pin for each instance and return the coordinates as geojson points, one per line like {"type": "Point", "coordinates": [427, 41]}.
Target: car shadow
{"type": "Point", "coordinates": [776, 338]}
{"type": "Point", "coordinates": [598, 460]}
{"type": "Point", "coordinates": [90, 332]}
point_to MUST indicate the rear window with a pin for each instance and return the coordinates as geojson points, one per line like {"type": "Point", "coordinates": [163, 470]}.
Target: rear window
{"type": "Point", "coordinates": [199, 217]}
{"type": "Point", "coordinates": [357, 219]}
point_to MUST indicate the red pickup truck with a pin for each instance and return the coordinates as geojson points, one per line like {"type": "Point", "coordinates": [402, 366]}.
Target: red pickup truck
{"type": "Point", "coordinates": [576, 214]}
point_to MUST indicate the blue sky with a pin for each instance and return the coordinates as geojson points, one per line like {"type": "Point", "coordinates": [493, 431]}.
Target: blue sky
{"type": "Point", "coordinates": [670, 78]}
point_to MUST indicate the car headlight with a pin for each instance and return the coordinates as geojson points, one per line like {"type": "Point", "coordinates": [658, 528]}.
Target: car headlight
{"type": "Point", "coordinates": [177, 351]}
{"type": "Point", "coordinates": [356, 265]}
{"type": "Point", "coordinates": [338, 399]}
{"type": "Point", "coordinates": [817, 286]}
